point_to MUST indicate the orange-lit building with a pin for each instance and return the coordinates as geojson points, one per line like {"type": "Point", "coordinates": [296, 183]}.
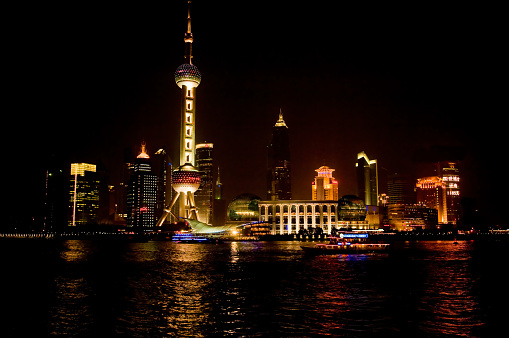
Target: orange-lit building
{"type": "Point", "coordinates": [431, 192]}
{"type": "Point", "coordinates": [324, 187]}
{"type": "Point", "coordinates": [449, 173]}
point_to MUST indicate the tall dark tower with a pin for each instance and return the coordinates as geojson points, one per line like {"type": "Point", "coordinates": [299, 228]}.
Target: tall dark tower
{"type": "Point", "coordinates": [204, 195]}
{"type": "Point", "coordinates": [279, 185]}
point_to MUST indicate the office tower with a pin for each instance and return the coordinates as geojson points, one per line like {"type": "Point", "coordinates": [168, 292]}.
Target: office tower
{"type": "Point", "coordinates": [186, 178]}
{"type": "Point", "coordinates": [84, 194]}
{"type": "Point", "coordinates": [367, 179]}
{"type": "Point", "coordinates": [325, 187]}
{"type": "Point", "coordinates": [56, 195]}
{"type": "Point", "coordinates": [141, 193]}
{"type": "Point", "coordinates": [161, 168]}
{"type": "Point", "coordinates": [449, 173]}
{"type": "Point", "coordinates": [204, 195]}
{"type": "Point", "coordinates": [400, 189]}
{"type": "Point", "coordinates": [431, 193]}
{"type": "Point", "coordinates": [279, 185]}
{"type": "Point", "coordinates": [219, 205]}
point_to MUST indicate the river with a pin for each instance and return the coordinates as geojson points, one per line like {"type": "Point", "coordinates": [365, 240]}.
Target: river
{"type": "Point", "coordinates": [251, 289]}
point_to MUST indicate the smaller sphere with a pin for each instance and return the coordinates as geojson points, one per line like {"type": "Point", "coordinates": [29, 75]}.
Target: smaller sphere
{"type": "Point", "coordinates": [187, 74]}
{"type": "Point", "coordinates": [185, 179]}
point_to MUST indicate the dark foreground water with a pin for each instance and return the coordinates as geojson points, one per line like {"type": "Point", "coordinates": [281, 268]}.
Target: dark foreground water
{"type": "Point", "coordinates": [261, 289]}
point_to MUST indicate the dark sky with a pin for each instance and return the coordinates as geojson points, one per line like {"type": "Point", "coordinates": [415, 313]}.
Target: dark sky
{"type": "Point", "coordinates": [89, 80]}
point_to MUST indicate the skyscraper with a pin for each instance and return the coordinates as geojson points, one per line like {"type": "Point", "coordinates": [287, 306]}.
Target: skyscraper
{"type": "Point", "coordinates": [204, 195]}
{"type": "Point", "coordinates": [367, 179]}
{"type": "Point", "coordinates": [141, 193]}
{"type": "Point", "coordinates": [324, 187]}
{"type": "Point", "coordinates": [84, 194]}
{"type": "Point", "coordinates": [448, 171]}
{"type": "Point", "coordinates": [431, 193]}
{"type": "Point", "coordinates": [279, 184]}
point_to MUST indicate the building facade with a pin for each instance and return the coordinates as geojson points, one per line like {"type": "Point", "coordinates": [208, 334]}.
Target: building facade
{"type": "Point", "coordinates": [449, 172]}
{"type": "Point", "coordinates": [431, 192]}
{"type": "Point", "coordinates": [84, 194]}
{"type": "Point", "coordinates": [292, 216]}
{"type": "Point", "coordinates": [142, 194]}
{"type": "Point", "coordinates": [279, 183]}
{"type": "Point", "coordinates": [367, 179]}
{"type": "Point", "coordinates": [204, 196]}
{"type": "Point", "coordinates": [325, 187]}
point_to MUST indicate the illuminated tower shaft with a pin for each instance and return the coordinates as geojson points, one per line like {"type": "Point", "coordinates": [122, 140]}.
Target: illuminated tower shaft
{"type": "Point", "coordinates": [186, 179]}
{"type": "Point", "coordinates": [187, 129]}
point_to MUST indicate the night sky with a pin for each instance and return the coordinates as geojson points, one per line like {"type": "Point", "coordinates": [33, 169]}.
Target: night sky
{"type": "Point", "coordinates": [88, 81]}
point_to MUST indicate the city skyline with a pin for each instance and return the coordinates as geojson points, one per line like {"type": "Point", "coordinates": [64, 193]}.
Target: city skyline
{"type": "Point", "coordinates": [391, 86]}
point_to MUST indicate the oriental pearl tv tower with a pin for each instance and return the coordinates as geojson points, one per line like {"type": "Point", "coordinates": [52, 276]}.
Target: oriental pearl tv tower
{"type": "Point", "coordinates": [186, 178]}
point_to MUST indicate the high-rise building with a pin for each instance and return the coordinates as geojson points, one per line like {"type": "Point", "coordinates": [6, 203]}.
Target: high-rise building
{"type": "Point", "coordinates": [84, 194]}
{"type": "Point", "coordinates": [400, 189]}
{"type": "Point", "coordinates": [219, 205]}
{"type": "Point", "coordinates": [142, 193]}
{"type": "Point", "coordinates": [367, 179]}
{"type": "Point", "coordinates": [56, 195]}
{"type": "Point", "coordinates": [161, 168]}
{"type": "Point", "coordinates": [279, 184]}
{"type": "Point", "coordinates": [448, 171]}
{"type": "Point", "coordinates": [431, 193]}
{"type": "Point", "coordinates": [204, 195]}
{"type": "Point", "coordinates": [325, 187]}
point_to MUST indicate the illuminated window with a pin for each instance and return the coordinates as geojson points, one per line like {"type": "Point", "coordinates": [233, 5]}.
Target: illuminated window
{"type": "Point", "coordinates": [189, 130]}
{"type": "Point", "coordinates": [189, 118]}
{"type": "Point", "coordinates": [189, 104]}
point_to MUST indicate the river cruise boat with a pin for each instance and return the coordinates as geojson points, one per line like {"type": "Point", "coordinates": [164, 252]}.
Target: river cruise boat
{"type": "Point", "coordinates": [347, 243]}
{"type": "Point", "coordinates": [192, 238]}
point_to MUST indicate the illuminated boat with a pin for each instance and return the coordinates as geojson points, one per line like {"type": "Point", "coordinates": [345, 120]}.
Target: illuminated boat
{"type": "Point", "coordinates": [192, 238]}
{"type": "Point", "coordinates": [347, 243]}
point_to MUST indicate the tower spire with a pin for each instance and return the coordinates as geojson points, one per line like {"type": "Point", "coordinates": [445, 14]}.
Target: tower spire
{"type": "Point", "coordinates": [188, 37]}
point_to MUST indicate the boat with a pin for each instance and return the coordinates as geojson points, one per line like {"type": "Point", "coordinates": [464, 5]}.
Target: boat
{"type": "Point", "coordinates": [347, 243]}
{"type": "Point", "coordinates": [192, 238]}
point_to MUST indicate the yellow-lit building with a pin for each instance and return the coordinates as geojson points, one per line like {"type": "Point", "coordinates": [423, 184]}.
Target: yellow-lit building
{"type": "Point", "coordinates": [84, 194]}
{"type": "Point", "coordinates": [324, 187]}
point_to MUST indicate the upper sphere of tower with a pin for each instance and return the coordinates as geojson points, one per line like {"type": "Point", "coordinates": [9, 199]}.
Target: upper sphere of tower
{"type": "Point", "coordinates": [187, 74]}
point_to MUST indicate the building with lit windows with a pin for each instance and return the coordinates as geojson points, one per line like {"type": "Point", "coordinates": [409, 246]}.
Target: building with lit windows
{"type": "Point", "coordinates": [367, 179]}
{"type": "Point", "coordinates": [324, 187]}
{"type": "Point", "coordinates": [84, 194]}
{"type": "Point", "coordinates": [448, 171]}
{"type": "Point", "coordinates": [204, 195]}
{"type": "Point", "coordinates": [292, 216]}
{"type": "Point", "coordinates": [431, 193]}
{"type": "Point", "coordinates": [279, 183]}
{"type": "Point", "coordinates": [142, 194]}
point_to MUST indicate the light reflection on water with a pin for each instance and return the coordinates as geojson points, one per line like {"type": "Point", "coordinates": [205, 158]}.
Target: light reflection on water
{"type": "Point", "coordinates": [266, 289]}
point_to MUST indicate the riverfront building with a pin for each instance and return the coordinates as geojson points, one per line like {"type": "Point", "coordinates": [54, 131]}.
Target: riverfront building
{"type": "Point", "coordinates": [367, 179]}
{"type": "Point", "coordinates": [448, 171]}
{"type": "Point", "coordinates": [279, 183]}
{"type": "Point", "coordinates": [204, 195]}
{"type": "Point", "coordinates": [84, 194]}
{"type": "Point", "coordinates": [324, 187]}
{"type": "Point", "coordinates": [142, 194]}
{"type": "Point", "coordinates": [431, 193]}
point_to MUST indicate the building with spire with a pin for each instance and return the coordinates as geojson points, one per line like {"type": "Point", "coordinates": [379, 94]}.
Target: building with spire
{"type": "Point", "coordinates": [279, 183]}
{"type": "Point", "coordinates": [142, 194]}
{"type": "Point", "coordinates": [186, 178]}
